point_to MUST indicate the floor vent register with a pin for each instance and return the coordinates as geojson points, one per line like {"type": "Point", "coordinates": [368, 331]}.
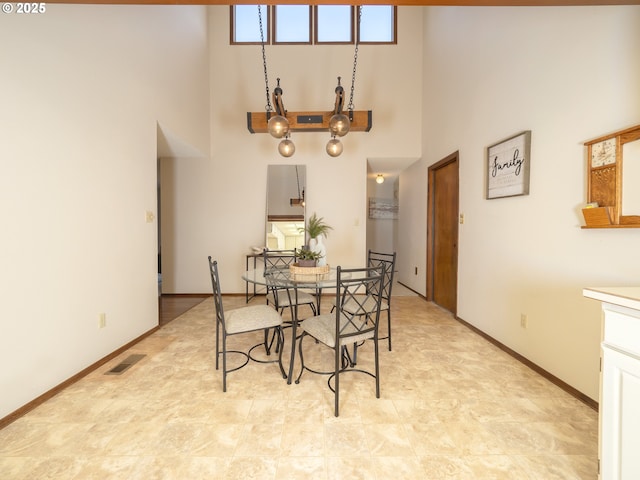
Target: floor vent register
{"type": "Point", "coordinates": [127, 363]}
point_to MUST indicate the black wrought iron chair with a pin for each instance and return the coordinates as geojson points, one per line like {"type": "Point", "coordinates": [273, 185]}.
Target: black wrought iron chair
{"type": "Point", "coordinates": [388, 261]}
{"type": "Point", "coordinates": [359, 288]}
{"type": "Point", "coordinates": [241, 320]}
{"type": "Point", "coordinates": [281, 297]}
{"type": "Point", "coordinates": [277, 296]}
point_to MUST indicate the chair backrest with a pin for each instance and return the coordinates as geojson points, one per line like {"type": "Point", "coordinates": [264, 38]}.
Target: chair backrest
{"type": "Point", "coordinates": [278, 258]}
{"type": "Point", "coordinates": [217, 293]}
{"type": "Point", "coordinates": [358, 288]}
{"type": "Point", "coordinates": [388, 261]}
{"type": "Point", "coordinates": [275, 261]}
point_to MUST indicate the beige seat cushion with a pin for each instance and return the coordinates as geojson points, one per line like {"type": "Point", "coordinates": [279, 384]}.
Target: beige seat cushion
{"type": "Point", "coordinates": [255, 317]}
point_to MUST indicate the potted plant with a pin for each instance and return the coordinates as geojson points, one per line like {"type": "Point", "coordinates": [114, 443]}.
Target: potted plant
{"type": "Point", "coordinates": [316, 226]}
{"type": "Point", "coordinates": [307, 257]}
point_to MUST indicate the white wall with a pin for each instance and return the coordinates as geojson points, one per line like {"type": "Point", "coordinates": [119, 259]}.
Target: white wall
{"type": "Point", "coordinates": [412, 227]}
{"type": "Point", "coordinates": [568, 75]}
{"type": "Point", "coordinates": [82, 89]}
{"type": "Point", "coordinates": [230, 189]}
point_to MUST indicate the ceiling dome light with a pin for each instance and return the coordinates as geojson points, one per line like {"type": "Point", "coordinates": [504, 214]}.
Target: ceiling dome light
{"type": "Point", "coordinates": [334, 147]}
{"type": "Point", "coordinates": [379, 178]}
{"type": "Point", "coordinates": [339, 125]}
{"type": "Point", "coordinates": [286, 147]}
{"type": "Point", "coordinates": [278, 126]}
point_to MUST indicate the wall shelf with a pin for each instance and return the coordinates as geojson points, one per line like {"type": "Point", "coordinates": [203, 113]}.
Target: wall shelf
{"type": "Point", "coordinates": [604, 166]}
{"type": "Point", "coordinates": [610, 226]}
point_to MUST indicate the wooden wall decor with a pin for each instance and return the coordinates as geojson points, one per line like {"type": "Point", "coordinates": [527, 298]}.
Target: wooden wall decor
{"type": "Point", "coordinates": [604, 166]}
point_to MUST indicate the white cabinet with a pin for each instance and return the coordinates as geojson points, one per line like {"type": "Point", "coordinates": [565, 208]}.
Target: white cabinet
{"type": "Point", "coordinates": [620, 390]}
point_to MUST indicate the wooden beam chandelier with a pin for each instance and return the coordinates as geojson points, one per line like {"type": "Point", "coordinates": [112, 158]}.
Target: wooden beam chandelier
{"type": "Point", "coordinates": [281, 123]}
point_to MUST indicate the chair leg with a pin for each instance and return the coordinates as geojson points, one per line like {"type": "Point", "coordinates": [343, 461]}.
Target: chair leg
{"type": "Point", "coordinates": [336, 379]}
{"type": "Point", "coordinates": [267, 343]}
{"type": "Point", "coordinates": [301, 357]}
{"type": "Point", "coordinates": [224, 362]}
{"type": "Point", "coordinates": [346, 358]}
{"type": "Point", "coordinates": [389, 325]}
{"type": "Point", "coordinates": [377, 366]}
{"type": "Point", "coordinates": [279, 348]}
{"type": "Point", "coordinates": [294, 328]}
{"type": "Point", "coordinates": [217, 344]}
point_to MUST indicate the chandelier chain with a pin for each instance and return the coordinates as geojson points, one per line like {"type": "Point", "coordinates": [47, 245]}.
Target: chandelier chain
{"type": "Point", "coordinates": [355, 60]}
{"type": "Point", "coordinates": [264, 61]}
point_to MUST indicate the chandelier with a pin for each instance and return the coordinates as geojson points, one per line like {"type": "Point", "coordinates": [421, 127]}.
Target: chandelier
{"type": "Point", "coordinates": [280, 123]}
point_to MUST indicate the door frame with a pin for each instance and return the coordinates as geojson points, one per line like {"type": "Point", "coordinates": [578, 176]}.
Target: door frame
{"type": "Point", "coordinates": [431, 206]}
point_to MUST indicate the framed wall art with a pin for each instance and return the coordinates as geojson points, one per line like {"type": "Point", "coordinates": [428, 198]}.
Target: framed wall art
{"type": "Point", "coordinates": [508, 163]}
{"type": "Point", "coordinates": [383, 208]}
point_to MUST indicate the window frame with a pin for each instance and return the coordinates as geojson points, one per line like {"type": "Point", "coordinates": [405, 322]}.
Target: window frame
{"type": "Point", "coordinates": [352, 28]}
{"type": "Point", "coordinates": [270, 25]}
{"type": "Point", "coordinates": [394, 25]}
{"type": "Point", "coordinates": [265, 23]}
{"type": "Point", "coordinates": [275, 41]}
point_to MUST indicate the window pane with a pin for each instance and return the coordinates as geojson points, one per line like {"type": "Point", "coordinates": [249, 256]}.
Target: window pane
{"type": "Point", "coordinates": [334, 23]}
{"type": "Point", "coordinates": [292, 24]}
{"type": "Point", "coordinates": [246, 27]}
{"type": "Point", "coordinates": [377, 24]}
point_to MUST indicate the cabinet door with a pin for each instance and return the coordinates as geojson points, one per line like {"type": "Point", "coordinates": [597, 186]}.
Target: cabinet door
{"type": "Point", "coordinates": [620, 416]}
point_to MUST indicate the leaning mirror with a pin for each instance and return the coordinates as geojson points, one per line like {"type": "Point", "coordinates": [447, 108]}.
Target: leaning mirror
{"type": "Point", "coordinates": [285, 206]}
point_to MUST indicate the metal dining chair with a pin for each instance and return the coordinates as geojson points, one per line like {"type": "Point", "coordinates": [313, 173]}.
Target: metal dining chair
{"type": "Point", "coordinates": [277, 296]}
{"type": "Point", "coordinates": [238, 321]}
{"type": "Point", "coordinates": [280, 297]}
{"type": "Point", "coordinates": [359, 289]}
{"type": "Point", "coordinates": [388, 261]}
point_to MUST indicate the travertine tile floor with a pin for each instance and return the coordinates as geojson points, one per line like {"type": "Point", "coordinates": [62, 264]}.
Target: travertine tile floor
{"type": "Point", "coordinates": [453, 406]}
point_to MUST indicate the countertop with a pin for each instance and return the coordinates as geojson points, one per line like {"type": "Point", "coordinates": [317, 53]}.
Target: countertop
{"type": "Point", "coordinates": [623, 296]}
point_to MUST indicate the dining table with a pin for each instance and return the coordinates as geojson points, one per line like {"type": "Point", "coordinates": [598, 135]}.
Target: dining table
{"type": "Point", "coordinates": [287, 278]}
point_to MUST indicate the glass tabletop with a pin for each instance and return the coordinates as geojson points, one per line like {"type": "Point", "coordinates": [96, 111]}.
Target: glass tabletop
{"type": "Point", "coordinates": [283, 277]}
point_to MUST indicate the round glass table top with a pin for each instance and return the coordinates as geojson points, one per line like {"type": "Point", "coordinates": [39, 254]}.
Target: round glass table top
{"type": "Point", "coordinates": [283, 277]}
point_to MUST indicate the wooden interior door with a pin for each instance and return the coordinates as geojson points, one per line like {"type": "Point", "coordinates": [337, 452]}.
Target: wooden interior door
{"type": "Point", "coordinates": [442, 233]}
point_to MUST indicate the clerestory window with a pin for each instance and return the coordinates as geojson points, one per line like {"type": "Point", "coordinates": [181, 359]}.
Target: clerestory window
{"type": "Point", "coordinates": [317, 25]}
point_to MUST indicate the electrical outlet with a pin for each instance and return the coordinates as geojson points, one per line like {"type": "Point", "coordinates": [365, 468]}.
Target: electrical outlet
{"type": "Point", "coordinates": [523, 320]}
{"type": "Point", "coordinates": [102, 322]}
